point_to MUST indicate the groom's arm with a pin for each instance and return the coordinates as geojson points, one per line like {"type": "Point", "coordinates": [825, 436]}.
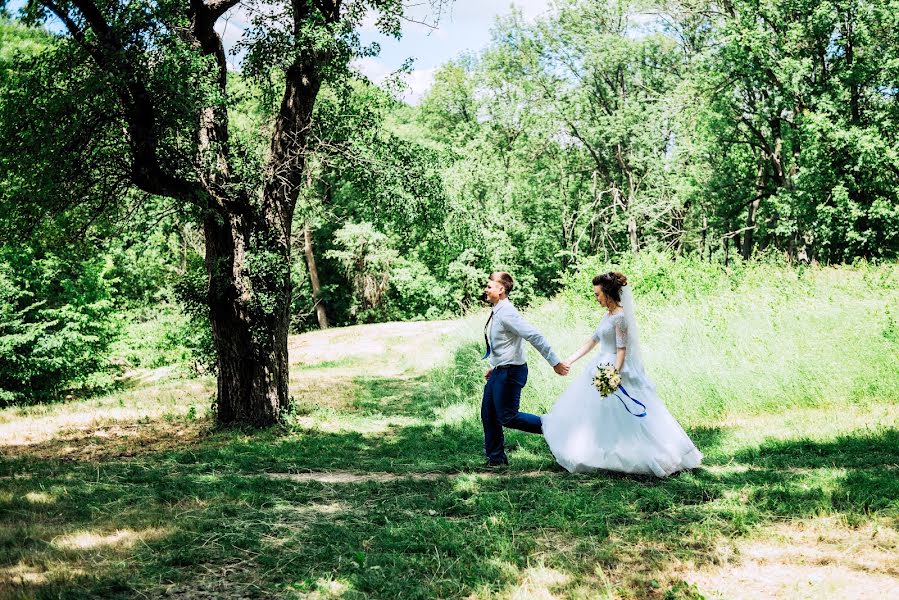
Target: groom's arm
{"type": "Point", "coordinates": [517, 325]}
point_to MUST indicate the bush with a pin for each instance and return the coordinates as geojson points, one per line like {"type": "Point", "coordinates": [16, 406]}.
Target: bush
{"type": "Point", "coordinates": [155, 337]}
{"type": "Point", "coordinates": [57, 322]}
{"type": "Point", "coordinates": [195, 334]}
{"type": "Point", "coordinates": [466, 280]}
{"type": "Point", "coordinates": [415, 293]}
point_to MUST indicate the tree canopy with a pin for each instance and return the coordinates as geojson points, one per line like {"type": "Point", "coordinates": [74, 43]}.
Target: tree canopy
{"type": "Point", "coordinates": [292, 193]}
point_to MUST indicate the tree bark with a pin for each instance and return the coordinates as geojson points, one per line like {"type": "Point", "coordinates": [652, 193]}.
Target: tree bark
{"type": "Point", "coordinates": [249, 315]}
{"type": "Point", "coordinates": [632, 233]}
{"type": "Point", "coordinates": [751, 213]}
{"type": "Point", "coordinates": [702, 240]}
{"type": "Point", "coordinates": [184, 249]}
{"type": "Point", "coordinates": [320, 311]}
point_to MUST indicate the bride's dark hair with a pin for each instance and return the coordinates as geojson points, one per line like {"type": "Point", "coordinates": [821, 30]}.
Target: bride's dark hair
{"type": "Point", "coordinates": [611, 284]}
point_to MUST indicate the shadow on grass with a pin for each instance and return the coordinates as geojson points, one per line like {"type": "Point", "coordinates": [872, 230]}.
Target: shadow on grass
{"type": "Point", "coordinates": [449, 537]}
{"type": "Point", "coordinates": [204, 518]}
{"type": "Point", "coordinates": [231, 532]}
{"type": "Point", "coordinates": [872, 448]}
{"type": "Point", "coordinates": [382, 396]}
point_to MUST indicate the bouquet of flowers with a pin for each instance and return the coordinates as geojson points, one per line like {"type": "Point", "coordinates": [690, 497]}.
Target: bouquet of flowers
{"type": "Point", "coordinates": [606, 380]}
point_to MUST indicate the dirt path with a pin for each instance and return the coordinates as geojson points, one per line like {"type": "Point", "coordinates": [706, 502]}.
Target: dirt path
{"type": "Point", "coordinates": [322, 363]}
{"type": "Point", "coordinates": [392, 346]}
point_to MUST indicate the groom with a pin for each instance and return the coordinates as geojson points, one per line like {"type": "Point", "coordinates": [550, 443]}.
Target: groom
{"type": "Point", "coordinates": [505, 333]}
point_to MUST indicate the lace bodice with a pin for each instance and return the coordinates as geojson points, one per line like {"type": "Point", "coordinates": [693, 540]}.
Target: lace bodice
{"type": "Point", "coordinates": [611, 333]}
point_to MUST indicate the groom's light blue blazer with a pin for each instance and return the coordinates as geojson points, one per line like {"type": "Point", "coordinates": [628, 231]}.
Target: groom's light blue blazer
{"type": "Point", "coordinates": [507, 333]}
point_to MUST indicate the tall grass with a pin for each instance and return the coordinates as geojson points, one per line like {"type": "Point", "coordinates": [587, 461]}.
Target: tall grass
{"type": "Point", "coordinates": [758, 338]}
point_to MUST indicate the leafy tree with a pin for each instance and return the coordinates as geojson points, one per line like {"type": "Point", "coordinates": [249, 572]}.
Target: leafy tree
{"type": "Point", "coordinates": [56, 323]}
{"type": "Point", "coordinates": [362, 171]}
{"type": "Point", "coordinates": [796, 114]}
{"type": "Point", "coordinates": [366, 256]}
{"type": "Point", "coordinates": [135, 96]}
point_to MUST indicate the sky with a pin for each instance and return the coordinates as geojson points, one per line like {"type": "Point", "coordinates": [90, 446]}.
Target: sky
{"type": "Point", "coordinates": [464, 26]}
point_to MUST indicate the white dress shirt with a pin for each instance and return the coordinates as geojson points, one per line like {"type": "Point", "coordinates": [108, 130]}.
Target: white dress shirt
{"type": "Point", "coordinates": [508, 331]}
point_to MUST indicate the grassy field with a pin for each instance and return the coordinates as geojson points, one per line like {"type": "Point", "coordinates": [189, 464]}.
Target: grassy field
{"type": "Point", "coordinates": [788, 382]}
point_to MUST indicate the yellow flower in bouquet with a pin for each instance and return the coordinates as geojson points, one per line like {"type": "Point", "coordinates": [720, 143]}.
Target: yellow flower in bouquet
{"type": "Point", "coordinates": [607, 379]}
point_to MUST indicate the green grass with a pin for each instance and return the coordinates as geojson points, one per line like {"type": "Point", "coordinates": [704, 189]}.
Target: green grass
{"type": "Point", "coordinates": [789, 388]}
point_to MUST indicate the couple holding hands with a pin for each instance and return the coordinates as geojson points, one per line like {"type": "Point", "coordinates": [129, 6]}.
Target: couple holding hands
{"type": "Point", "coordinates": [585, 430]}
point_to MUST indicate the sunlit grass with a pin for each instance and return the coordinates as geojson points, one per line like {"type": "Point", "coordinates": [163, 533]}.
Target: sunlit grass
{"type": "Point", "coordinates": [772, 344]}
{"type": "Point", "coordinates": [120, 539]}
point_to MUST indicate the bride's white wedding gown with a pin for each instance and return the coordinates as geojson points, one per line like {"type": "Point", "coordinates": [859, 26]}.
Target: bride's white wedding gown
{"type": "Point", "coordinates": [587, 432]}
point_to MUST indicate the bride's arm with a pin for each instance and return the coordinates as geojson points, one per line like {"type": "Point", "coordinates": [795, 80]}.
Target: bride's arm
{"type": "Point", "coordinates": [619, 359]}
{"type": "Point", "coordinates": [620, 341]}
{"type": "Point", "coordinates": [581, 352]}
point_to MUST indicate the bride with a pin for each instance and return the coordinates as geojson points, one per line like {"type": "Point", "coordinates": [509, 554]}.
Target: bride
{"type": "Point", "coordinates": [629, 430]}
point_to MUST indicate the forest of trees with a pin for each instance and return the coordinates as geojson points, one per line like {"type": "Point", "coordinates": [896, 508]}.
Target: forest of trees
{"type": "Point", "coordinates": [137, 172]}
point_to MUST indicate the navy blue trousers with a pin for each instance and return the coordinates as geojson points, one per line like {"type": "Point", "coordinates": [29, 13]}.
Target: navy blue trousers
{"type": "Point", "coordinates": [499, 408]}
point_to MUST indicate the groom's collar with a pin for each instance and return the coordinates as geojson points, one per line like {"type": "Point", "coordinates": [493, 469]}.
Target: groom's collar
{"type": "Point", "coordinates": [500, 304]}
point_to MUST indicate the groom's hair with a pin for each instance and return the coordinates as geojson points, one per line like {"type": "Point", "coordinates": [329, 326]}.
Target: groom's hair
{"type": "Point", "coordinates": [505, 280]}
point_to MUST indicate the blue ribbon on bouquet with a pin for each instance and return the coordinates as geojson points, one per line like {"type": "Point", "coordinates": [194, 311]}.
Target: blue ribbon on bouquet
{"type": "Point", "coordinates": [620, 399]}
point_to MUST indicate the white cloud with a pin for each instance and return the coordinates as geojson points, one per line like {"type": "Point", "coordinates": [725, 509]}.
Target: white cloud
{"type": "Point", "coordinates": [372, 68]}
{"type": "Point", "coordinates": [481, 10]}
{"type": "Point", "coordinates": [419, 82]}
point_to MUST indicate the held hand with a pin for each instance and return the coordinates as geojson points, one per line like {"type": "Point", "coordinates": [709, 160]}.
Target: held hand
{"type": "Point", "coordinates": [561, 369]}
{"type": "Point", "coordinates": [487, 373]}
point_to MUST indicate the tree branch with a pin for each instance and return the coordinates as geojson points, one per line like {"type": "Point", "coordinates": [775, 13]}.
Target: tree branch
{"type": "Point", "coordinates": [216, 8]}
{"type": "Point", "coordinates": [302, 82]}
{"type": "Point", "coordinates": [140, 112]}
{"type": "Point", "coordinates": [73, 28]}
{"type": "Point", "coordinates": [212, 125]}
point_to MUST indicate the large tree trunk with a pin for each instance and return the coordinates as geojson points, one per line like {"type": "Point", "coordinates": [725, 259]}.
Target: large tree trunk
{"type": "Point", "coordinates": [248, 310]}
{"type": "Point", "coordinates": [248, 259]}
{"type": "Point", "coordinates": [320, 311]}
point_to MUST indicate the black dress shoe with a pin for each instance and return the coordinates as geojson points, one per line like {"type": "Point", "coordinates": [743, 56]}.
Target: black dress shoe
{"type": "Point", "coordinates": [496, 464]}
